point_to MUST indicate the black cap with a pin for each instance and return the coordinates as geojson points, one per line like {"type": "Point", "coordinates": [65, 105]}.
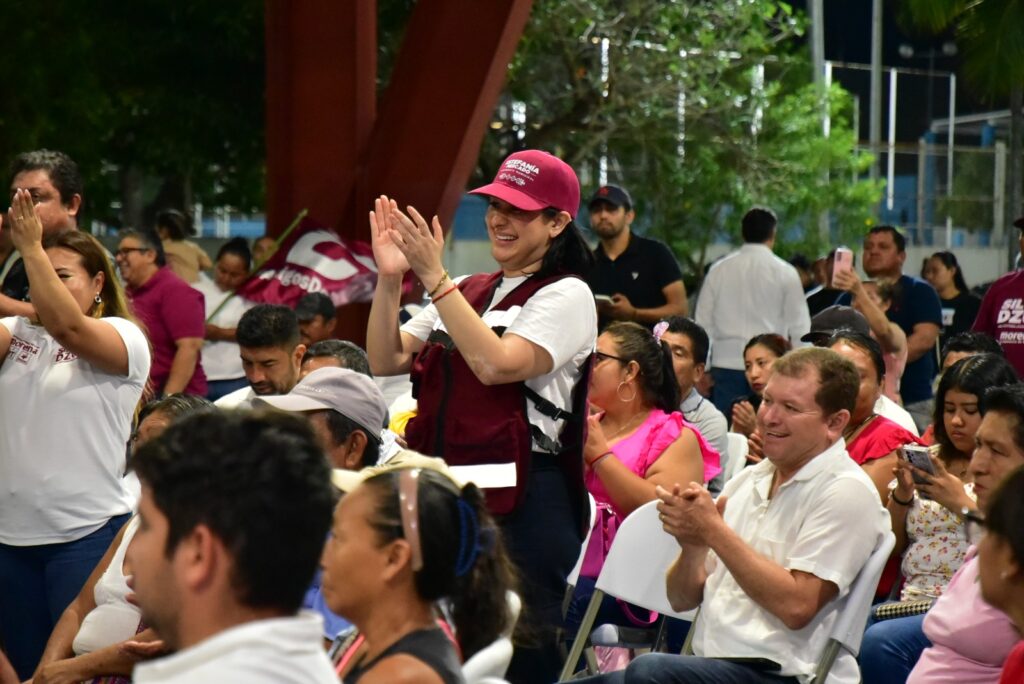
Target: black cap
{"type": "Point", "coordinates": [836, 317]}
{"type": "Point", "coordinates": [1019, 223]}
{"type": "Point", "coordinates": [613, 195]}
{"type": "Point", "coordinates": [312, 304]}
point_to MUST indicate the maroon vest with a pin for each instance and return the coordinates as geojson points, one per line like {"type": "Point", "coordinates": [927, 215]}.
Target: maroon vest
{"type": "Point", "coordinates": [468, 423]}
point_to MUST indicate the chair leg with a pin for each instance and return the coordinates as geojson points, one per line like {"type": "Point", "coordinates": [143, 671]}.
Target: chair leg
{"type": "Point", "coordinates": [582, 635]}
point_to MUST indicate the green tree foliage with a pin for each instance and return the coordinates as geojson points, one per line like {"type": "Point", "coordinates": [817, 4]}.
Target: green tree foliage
{"type": "Point", "coordinates": [741, 144]}
{"type": "Point", "coordinates": [160, 103]}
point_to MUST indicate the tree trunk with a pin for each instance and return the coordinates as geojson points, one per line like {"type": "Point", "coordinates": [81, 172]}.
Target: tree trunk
{"type": "Point", "coordinates": [1015, 165]}
{"type": "Point", "coordinates": [130, 177]}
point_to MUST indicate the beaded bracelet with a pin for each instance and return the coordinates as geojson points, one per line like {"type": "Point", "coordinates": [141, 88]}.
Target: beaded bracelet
{"type": "Point", "coordinates": [444, 277]}
{"type": "Point", "coordinates": [445, 293]}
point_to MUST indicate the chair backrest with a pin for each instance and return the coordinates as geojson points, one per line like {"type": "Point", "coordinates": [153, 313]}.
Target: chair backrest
{"type": "Point", "coordinates": [737, 457]}
{"type": "Point", "coordinates": [493, 660]}
{"type": "Point", "coordinates": [849, 627]}
{"type": "Point", "coordinates": [574, 574]}
{"type": "Point", "coordinates": [637, 562]}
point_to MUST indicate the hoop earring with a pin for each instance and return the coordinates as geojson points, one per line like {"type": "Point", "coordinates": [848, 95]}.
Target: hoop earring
{"type": "Point", "coordinates": [618, 392]}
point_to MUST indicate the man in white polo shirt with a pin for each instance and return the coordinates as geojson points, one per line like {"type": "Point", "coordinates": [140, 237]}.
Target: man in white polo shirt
{"type": "Point", "coordinates": [771, 562]}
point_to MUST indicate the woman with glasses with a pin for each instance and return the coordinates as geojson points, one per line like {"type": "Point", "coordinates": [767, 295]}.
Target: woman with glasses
{"type": "Point", "coordinates": [498, 365]}
{"type": "Point", "coordinates": [1001, 562]}
{"type": "Point", "coordinates": [636, 440]}
{"type": "Point", "coordinates": [961, 638]}
{"type": "Point", "coordinates": [402, 541]}
{"type": "Point", "coordinates": [70, 379]}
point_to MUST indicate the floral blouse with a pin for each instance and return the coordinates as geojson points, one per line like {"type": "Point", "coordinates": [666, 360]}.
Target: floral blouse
{"type": "Point", "coordinates": [936, 546]}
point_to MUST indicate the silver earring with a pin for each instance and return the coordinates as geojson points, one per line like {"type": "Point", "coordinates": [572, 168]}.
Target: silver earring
{"type": "Point", "coordinates": [98, 299]}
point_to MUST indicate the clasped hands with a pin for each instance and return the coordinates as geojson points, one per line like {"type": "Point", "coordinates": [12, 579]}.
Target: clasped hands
{"type": "Point", "coordinates": [690, 514]}
{"type": "Point", "coordinates": [404, 241]}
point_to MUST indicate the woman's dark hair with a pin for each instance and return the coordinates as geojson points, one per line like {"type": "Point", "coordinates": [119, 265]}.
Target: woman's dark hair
{"type": "Point", "coordinates": [866, 343]}
{"type": "Point", "coordinates": [238, 246]}
{"type": "Point", "coordinates": [567, 253]}
{"type": "Point", "coordinates": [1005, 514]}
{"type": "Point", "coordinates": [973, 343]}
{"type": "Point", "coordinates": [657, 377]}
{"type": "Point", "coordinates": [454, 525]}
{"type": "Point", "coordinates": [776, 344]}
{"type": "Point", "coordinates": [176, 406]}
{"type": "Point", "coordinates": [948, 260]}
{"type": "Point", "coordinates": [970, 375]}
{"type": "Point", "coordinates": [177, 225]}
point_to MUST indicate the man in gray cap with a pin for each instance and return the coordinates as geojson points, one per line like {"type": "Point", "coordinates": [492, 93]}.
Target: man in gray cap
{"type": "Point", "coordinates": [346, 411]}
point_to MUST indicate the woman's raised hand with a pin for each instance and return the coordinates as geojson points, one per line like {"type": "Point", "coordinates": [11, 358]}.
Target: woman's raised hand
{"type": "Point", "coordinates": [26, 228]}
{"type": "Point", "coordinates": [390, 259]}
{"type": "Point", "coordinates": [421, 244]}
{"type": "Point", "coordinates": [744, 418]}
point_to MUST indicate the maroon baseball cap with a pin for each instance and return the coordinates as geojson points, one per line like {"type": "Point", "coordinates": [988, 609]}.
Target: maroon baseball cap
{"type": "Point", "coordinates": [533, 180]}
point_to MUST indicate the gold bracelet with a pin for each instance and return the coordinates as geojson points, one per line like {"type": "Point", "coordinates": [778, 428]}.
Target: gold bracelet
{"type": "Point", "coordinates": [444, 277]}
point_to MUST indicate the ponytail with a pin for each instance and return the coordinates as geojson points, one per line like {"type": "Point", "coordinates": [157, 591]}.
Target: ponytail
{"type": "Point", "coordinates": [668, 393]}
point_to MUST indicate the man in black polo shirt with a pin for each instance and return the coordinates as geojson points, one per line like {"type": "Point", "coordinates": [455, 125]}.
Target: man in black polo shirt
{"type": "Point", "coordinates": [639, 275]}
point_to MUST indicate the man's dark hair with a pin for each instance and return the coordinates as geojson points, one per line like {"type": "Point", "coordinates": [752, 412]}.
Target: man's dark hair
{"type": "Point", "coordinates": [897, 236]}
{"type": "Point", "coordinates": [268, 325]}
{"type": "Point", "coordinates": [758, 225]}
{"type": "Point", "coordinates": [348, 354]}
{"type": "Point", "coordinates": [176, 406]}
{"type": "Point", "coordinates": [260, 483]}
{"type": "Point", "coordinates": [973, 342]}
{"type": "Point", "coordinates": [697, 335]}
{"type": "Point", "coordinates": [61, 169]}
{"type": "Point", "coordinates": [341, 426]}
{"type": "Point", "coordinates": [149, 240]}
{"type": "Point", "coordinates": [974, 374]}
{"type": "Point", "coordinates": [1008, 399]}
{"type": "Point", "coordinates": [865, 343]}
{"type": "Point", "coordinates": [240, 248]}
{"type": "Point", "coordinates": [840, 381]}
{"type": "Point", "coordinates": [177, 224]}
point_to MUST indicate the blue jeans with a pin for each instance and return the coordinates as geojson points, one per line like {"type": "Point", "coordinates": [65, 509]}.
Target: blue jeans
{"type": "Point", "coordinates": [665, 668]}
{"type": "Point", "coordinates": [37, 583]}
{"type": "Point", "coordinates": [730, 385]}
{"type": "Point", "coordinates": [891, 648]}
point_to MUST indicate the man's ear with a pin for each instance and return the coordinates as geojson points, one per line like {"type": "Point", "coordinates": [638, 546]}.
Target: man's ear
{"type": "Point", "coordinates": [699, 369]}
{"type": "Point", "coordinates": [200, 559]}
{"type": "Point", "coordinates": [838, 421]}
{"type": "Point", "coordinates": [355, 448]}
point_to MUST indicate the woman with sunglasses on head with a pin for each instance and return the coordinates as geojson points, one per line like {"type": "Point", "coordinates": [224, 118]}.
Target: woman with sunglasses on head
{"type": "Point", "coordinates": [70, 380]}
{"type": "Point", "coordinates": [1001, 562]}
{"type": "Point", "coordinates": [636, 440]}
{"type": "Point", "coordinates": [498, 365]}
{"type": "Point", "coordinates": [402, 541]}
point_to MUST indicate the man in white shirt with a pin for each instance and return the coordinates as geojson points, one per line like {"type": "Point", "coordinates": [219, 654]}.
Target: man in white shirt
{"type": "Point", "coordinates": [271, 351]}
{"type": "Point", "coordinates": [234, 511]}
{"type": "Point", "coordinates": [748, 292]}
{"type": "Point", "coordinates": [771, 562]}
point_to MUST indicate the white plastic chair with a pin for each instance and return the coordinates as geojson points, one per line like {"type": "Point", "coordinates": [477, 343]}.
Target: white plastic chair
{"type": "Point", "coordinates": [634, 571]}
{"type": "Point", "coordinates": [490, 663]}
{"type": "Point", "coordinates": [574, 574]}
{"type": "Point", "coordinates": [848, 631]}
{"type": "Point", "coordinates": [737, 456]}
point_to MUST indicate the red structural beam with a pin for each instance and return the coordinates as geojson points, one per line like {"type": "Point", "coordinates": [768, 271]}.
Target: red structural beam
{"type": "Point", "coordinates": [329, 147]}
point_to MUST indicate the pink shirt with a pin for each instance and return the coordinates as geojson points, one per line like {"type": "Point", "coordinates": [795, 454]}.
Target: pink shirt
{"type": "Point", "coordinates": [170, 310]}
{"type": "Point", "coordinates": [970, 639]}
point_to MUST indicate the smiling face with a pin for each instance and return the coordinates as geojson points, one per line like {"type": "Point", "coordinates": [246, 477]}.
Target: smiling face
{"type": "Point", "coordinates": [996, 455]}
{"type": "Point", "coordinates": [154, 581]}
{"type": "Point", "coordinates": [757, 366]}
{"type": "Point", "coordinates": [792, 425]}
{"type": "Point", "coordinates": [136, 263]}
{"type": "Point", "coordinates": [69, 268]}
{"type": "Point", "coordinates": [961, 418]}
{"type": "Point", "coordinates": [54, 214]}
{"type": "Point", "coordinates": [520, 238]}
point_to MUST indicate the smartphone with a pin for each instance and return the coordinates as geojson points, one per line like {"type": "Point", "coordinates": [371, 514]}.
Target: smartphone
{"type": "Point", "coordinates": [919, 457]}
{"type": "Point", "coordinates": [843, 262]}
{"type": "Point", "coordinates": [603, 298]}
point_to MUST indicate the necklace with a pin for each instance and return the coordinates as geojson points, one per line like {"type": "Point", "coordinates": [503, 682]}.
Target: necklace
{"type": "Point", "coordinates": [850, 433]}
{"type": "Point", "coordinates": [628, 424]}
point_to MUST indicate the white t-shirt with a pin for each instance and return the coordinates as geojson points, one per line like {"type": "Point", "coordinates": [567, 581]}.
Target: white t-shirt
{"type": "Point", "coordinates": [221, 360]}
{"type": "Point", "coordinates": [113, 619]}
{"type": "Point", "coordinates": [274, 651]}
{"type": "Point", "coordinates": [560, 318]}
{"type": "Point", "coordinates": [825, 520]}
{"type": "Point", "coordinates": [65, 429]}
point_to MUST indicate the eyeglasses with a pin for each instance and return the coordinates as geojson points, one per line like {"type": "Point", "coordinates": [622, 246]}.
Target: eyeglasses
{"type": "Point", "coordinates": [601, 356]}
{"type": "Point", "coordinates": [125, 251]}
{"type": "Point", "coordinates": [974, 526]}
{"type": "Point", "coordinates": [408, 495]}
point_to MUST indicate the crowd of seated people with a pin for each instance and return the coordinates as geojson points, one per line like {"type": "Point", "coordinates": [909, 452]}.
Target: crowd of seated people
{"type": "Point", "coordinates": [284, 535]}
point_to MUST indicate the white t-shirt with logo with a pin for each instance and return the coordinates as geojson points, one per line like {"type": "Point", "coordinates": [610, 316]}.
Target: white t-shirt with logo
{"type": "Point", "coordinates": [560, 318]}
{"type": "Point", "coordinates": [221, 360]}
{"type": "Point", "coordinates": [64, 429]}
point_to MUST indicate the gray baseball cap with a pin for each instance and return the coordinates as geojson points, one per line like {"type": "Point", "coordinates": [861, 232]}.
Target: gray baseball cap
{"type": "Point", "coordinates": [351, 394]}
